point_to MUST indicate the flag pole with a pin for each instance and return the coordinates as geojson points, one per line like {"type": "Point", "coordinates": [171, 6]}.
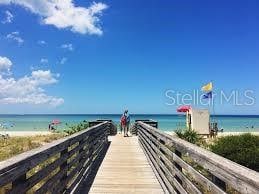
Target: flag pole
{"type": "Point", "coordinates": [213, 105]}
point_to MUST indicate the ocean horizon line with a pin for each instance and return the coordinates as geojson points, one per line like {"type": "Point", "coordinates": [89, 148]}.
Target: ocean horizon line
{"type": "Point", "coordinates": [112, 114]}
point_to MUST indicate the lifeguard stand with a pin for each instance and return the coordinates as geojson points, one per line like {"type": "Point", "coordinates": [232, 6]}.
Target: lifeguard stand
{"type": "Point", "coordinates": [198, 120]}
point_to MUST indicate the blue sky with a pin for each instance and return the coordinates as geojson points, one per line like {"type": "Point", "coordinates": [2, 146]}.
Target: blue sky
{"type": "Point", "coordinates": [103, 57]}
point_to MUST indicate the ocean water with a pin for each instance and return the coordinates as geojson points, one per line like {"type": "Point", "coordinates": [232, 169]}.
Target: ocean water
{"type": "Point", "coordinates": [165, 122]}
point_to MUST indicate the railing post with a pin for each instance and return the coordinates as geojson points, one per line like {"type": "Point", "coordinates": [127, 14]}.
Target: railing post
{"type": "Point", "coordinates": [80, 151]}
{"type": "Point", "coordinates": [20, 180]}
{"type": "Point", "coordinates": [107, 133]}
{"type": "Point", "coordinates": [63, 167]}
{"type": "Point", "coordinates": [91, 151]}
{"type": "Point", "coordinates": [137, 128]}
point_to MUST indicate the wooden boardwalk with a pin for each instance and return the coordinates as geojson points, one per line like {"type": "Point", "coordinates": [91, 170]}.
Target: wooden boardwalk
{"type": "Point", "coordinates": [125, 169]}
{"type": "Point", "coordinates": [93, 161]}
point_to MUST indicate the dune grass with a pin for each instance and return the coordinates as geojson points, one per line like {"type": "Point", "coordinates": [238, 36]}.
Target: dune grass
{"type": "Point", "coordinates": [16, 145]}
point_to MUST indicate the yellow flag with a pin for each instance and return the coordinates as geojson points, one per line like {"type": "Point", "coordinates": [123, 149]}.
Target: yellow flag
{"type": "Point", "coordinates": [207, 87]}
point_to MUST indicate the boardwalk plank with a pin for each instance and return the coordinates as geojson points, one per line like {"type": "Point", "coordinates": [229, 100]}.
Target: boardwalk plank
{"type": "Point", "coordinates": [125, 169]}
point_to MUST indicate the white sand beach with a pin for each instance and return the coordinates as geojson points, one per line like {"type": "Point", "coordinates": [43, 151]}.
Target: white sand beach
{"type": "Point", "coordinates": [221, 134]}
{"type": "Point", "coordinates": [236, 133]}
{"type": "Point", "coordinates": [25, 133]}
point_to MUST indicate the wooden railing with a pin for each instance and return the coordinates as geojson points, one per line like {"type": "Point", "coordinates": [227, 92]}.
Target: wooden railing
{"type": "Point", "coordinates": [112, 128]}
{"type": "Point", "coordinates": [150, 122]}
{"type": "Point", "coordinates": [56, 167]}
{"type": "Point", "coordinates": [182, 167]}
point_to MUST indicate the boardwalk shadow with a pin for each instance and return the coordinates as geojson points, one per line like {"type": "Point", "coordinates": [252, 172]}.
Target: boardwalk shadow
{"type": "Point", "coordinates": [86, 184]}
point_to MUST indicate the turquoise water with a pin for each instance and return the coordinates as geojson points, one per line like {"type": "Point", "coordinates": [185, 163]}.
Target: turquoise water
{"type": "Point", "coordinates": [165, 122]}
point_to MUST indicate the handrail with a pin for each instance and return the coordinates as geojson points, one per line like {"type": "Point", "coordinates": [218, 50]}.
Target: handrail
{"type": "Point", "coordinates": [56, 167]}
{"type": "Point", "coordinates": [187, 168]}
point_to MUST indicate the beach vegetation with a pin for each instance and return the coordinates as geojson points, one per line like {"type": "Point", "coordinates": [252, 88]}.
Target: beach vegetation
{"type": "Point", "coordinates": [189, 135]}
{"type": "Point", "coordinates": [15, 145]}
{"type": "Point", "coordinates": [242, 149]}
{"type": "Point", "coordinates": [76, 128]}
{"type": "Point", "coordinates": [12, 146]}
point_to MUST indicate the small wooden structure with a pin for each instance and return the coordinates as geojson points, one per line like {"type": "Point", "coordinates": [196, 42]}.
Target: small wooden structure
{"type": "Point", "coordinates": [98, 121]}
{"type": "Point", "coordinates": [198, 120]}
{"type": "Point", "coordinates": [112, 127]}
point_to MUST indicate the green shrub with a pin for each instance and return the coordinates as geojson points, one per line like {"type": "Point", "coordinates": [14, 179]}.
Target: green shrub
{"type": "Point", "coordinates": [189, 135]}
{"type": "Point", "coordinates": [76, 128]}
{"type": "Point", "coordinates": [179, 133]}
{"type": "Point", "coordinates": [242, 149]}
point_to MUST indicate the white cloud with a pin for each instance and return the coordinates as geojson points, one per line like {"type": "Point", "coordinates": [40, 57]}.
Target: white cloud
{"type": "Point", "coordinates": [65, 14]}
{"type": "Point", "coordinates": [63, 60]}
{"type": "Point", "coordinates": [15, 36]}
{"type": "Point", "coordinates": [35, 99]}
{"type": "Point", "coordinates": [43, 77]}
{"type": "Point", "coordinates": [28, 89]}
{"type": "Point", "coordinates": [8, 17]}
{"type": "Point", "coordinates": [42, 42]}
{"type": "Point", "coordinates": [5, 64]}
{"type": "Point", "coordinates": [44, 61]}
{"type": "Point", "coordinates": [67, 47]}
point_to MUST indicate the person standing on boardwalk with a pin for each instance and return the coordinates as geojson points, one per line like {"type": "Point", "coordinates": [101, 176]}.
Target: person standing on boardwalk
{"type": "Point", "coordinates": [123, 123]}
{"type": "Point", "coordinates": [127, 123]}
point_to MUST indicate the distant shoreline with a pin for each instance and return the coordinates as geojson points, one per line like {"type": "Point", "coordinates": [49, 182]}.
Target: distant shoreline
{"type": "Point", "coordinates": [166, 122]}
{"type": "Point", "coordinates": [36, 133]}
{"type": "Point", "coordinates": [112, 114]}
{"type": "Point", "coordinates": [25, 133]}
{"type": "Point", "coordinates": [223, 134]}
